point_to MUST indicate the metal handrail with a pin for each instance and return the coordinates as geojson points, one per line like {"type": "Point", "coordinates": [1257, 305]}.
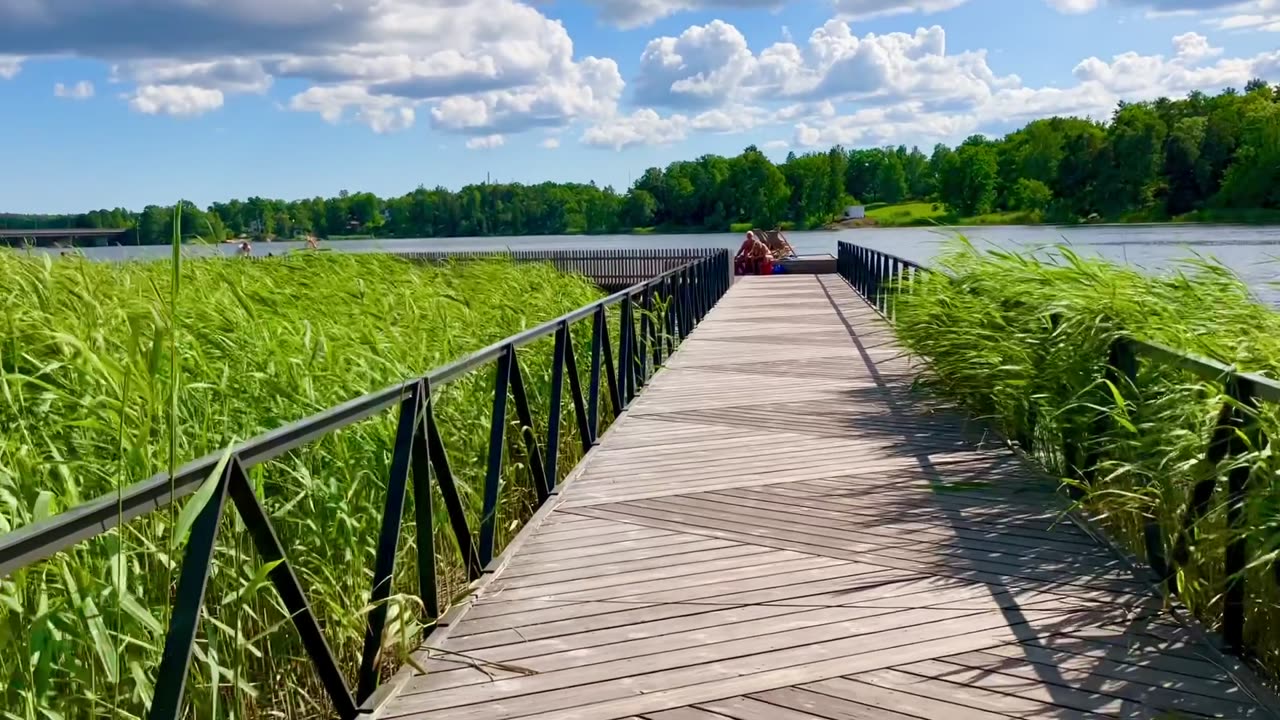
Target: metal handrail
{"type": "Point", "coordinates": [671, 304]}
{"type": "Point", "coordinates": [879, 277]}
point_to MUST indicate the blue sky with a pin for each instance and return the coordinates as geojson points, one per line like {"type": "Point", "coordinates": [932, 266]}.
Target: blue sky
{"type": "Point", "coordinates": [131, 102]}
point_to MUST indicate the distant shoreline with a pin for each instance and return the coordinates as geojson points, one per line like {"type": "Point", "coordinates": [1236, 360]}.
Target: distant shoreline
{"type": "Point", "coordinates": [929, 214]}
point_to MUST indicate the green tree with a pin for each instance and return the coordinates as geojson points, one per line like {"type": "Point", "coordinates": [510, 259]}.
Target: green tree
{"type": "Point", "coordinates": [970, 178]}
{"type": "Point", "coordinates": [891, 179]}
{"type": "Point", "coordinates": [1134, 157]}
{"type": "Point", "coordinates": [641, 208]}
{"type": "Point", "coordinates": [1253, 181]}
{"type": "Point", "coordinates": [1030, 195]}
{"type": "Point", "coordinates": [1181, 155]}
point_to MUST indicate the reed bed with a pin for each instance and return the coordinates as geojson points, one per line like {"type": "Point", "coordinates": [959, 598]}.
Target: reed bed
{"type": "Point", "coordinates": [1023, 338]}
{"type": "Point", "coordinates": [108, 376]}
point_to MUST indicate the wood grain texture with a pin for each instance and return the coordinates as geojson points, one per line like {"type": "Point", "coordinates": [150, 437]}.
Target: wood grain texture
{"type": "Point", "coordinates": [781, 528]}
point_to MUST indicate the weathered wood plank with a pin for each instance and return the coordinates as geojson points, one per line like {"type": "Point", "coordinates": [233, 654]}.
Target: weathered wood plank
{"type": "Point", "coordinates": [781, 527]}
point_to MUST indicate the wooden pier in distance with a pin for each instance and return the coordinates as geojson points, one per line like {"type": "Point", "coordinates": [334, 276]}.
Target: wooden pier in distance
{"type": "Point", "coordinates": [781, 528]}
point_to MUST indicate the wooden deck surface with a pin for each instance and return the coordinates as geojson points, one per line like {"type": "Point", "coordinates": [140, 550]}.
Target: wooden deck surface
{"type": "Point", "coordinates": [779, 528]}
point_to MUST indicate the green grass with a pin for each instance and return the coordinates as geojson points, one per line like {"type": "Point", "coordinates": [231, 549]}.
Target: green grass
{"type": "Point", "coordinates": [1008, 217]}
{"type": "Point", "coordinates": [929, 214]}
{"type": "Point", "coordinates": [89, 354]}
{"type": "Point", "coordinates": [1258, 216]}
{"type": "Point", "coordinates": [905, 213]}
{"type": "Point", "coordinates": [1022, 339]}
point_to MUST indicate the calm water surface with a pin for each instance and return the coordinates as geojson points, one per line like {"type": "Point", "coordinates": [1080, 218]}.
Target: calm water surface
{"type": "Point", "coordinates": [1251, 251]}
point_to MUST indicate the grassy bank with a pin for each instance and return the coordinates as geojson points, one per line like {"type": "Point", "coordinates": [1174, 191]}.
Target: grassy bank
{"type": "Point", "coordinates": [108, 379]}
{"type": "Point", "coordinates": [932, 214]}
{"type": "Point", "coordinates": [1025, 342]}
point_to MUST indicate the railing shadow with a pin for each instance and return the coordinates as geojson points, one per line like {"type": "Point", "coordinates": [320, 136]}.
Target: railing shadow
{"type": "Point", "coordinates": [1006, 529]}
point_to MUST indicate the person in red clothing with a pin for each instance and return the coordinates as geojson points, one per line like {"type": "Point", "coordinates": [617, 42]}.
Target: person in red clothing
{"type": "Point", "coordinates": [753, 257]}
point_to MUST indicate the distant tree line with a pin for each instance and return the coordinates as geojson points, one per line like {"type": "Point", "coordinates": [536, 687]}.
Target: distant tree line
{"type": "Point", "coordinates": [1152, 160]}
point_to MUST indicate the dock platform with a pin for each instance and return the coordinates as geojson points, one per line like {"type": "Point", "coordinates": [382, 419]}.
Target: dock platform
{"type": "Point", "coordinates": [781, 528]}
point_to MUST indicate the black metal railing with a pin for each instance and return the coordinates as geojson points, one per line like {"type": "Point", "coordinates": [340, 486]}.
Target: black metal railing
{"type": "Point", "coordinates": [880, 277]}
{"type": "Point", "coordinates": [610, 269]}
{"type": "Point", "coordinates": [874, 274]}
{"type": "Point", "coordinates": [654, 316]}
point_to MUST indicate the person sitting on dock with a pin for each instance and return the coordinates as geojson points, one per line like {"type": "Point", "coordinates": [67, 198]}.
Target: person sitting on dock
{"type": "Point", "coordinates": [753, 257]}
{"type": "Point", "coordinates": [777, 243]}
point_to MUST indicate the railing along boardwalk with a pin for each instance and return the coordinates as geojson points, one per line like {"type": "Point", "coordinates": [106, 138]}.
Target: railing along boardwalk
{"type": "Point", "coordinates": [780, 528]}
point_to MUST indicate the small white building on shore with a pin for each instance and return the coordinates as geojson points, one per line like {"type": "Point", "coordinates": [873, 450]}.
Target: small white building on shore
{"type": "Point", "coordinates": [855, 212]}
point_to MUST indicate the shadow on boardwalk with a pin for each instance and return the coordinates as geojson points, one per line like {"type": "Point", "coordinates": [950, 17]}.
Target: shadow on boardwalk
{"type": "Point", "coordinates": [1010, 533]}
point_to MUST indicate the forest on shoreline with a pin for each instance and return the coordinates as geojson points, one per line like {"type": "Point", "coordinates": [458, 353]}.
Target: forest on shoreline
{"type": "Point", "coordinates": [1211, 158]}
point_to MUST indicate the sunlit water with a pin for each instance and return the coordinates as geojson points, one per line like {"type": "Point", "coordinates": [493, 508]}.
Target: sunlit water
{"type": "Point", "coordinates": [1250, 251]}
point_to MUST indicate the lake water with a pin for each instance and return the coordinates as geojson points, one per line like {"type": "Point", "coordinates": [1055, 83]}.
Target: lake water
{"type": "Point", "coordinates": [1251, 251]}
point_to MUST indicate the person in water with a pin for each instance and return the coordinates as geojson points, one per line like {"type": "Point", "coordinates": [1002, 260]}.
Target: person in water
{"type": "Point", "coordinates": [245, 248]}
{"type": "Point", "coordinates": [312, 242]}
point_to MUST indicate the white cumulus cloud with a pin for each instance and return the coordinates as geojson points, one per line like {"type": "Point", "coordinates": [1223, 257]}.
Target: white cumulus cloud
{"type": "Point", "coordinates": [711, 66]}
{"type": "Point", "coordinates": [176, 100]}
{"type": "Point", "coordinates": [10, 66]}
{"type": "Point", "coordinates": [898, 87]}
{"type": "Point", "coordinates": [485, 142]}
{"type": "Point", "coordinates": [379, 62]}
{"type": "Point", "coordinates": [642, 127]}
{"type": "Point", "coordinates": [82, 90]}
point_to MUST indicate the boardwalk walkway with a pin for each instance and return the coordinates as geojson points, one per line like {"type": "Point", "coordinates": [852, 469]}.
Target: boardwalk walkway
{"type": "Point", "coordinates": [780, 529]}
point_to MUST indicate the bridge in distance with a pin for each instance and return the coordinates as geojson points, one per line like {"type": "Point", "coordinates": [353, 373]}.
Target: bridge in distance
{"type": "Point", "coordinates": [50, 236]}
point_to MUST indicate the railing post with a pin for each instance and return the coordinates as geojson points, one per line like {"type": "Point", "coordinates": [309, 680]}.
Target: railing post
{"type": "Point", "coordinates": [626, 375]}
{"type": "Point", "coordinates": [704, 287]}
{"type": "Point", "coordinates": [193, 579]}
{"type": "Point", "coordinates": [654, 336]}
{"type": "Point", "coordinates": [612, 371]}
{"type": "Point", "coordinates": [684, 315]}
{"type": "Point", "coordinates": [270, 550]}
{"type": "Point", "coordinates": [643, 347]}
{"type": "Point", "coordinates": [541, 484]}
{"type": "Point", "coordinates": [882, 272]}
{"type": "Point", "coordinates": [868, 281]}
{"type": "Point", "coordinates": [891, 299]}
{"type": "Point", "coordinates": [593, 387]}
{"type": "Point", "coordinates": [449, 493]}
{"type": "Point", "coordinates": [585, 429]}
{"type": "Point", "coordinates": [497, 431]}
{"type": "Point", "coordinates": [670, 314]}
{"type": "Point", "coordinates": [551, 463]}
{"type": "Point", "coordinates": [1245, 422]}
{"type": "Point", "coordinates": [874, 278]}
{"type": "Point", "coordinates": [424, 518]}
{"type": "Point", "coordinates": [384, 564]}
{"type": "Point", "coordinates": [855, 258]}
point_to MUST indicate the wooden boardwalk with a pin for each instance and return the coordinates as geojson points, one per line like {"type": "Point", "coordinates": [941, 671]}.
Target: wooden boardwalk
{"type": "Point", "coordinates": [779, 528]}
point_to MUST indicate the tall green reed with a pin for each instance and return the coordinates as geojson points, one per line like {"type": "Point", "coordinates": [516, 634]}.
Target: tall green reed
{"type": "Point", "coordinates": [110, 373]}
{"type": "Point", "coordinates": [1023, 339]}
